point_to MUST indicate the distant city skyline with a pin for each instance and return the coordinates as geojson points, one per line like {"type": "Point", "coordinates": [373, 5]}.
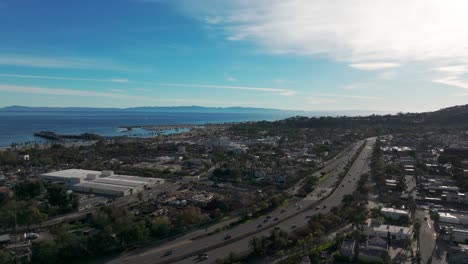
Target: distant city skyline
{"type": "Point", "coordinates": [409, 56]}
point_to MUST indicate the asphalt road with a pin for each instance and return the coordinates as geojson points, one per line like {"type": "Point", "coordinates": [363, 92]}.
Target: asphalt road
{"type": "Point", "coordinates": [291, 216]}
{"type": "Point", "coordinates": [432, 251]}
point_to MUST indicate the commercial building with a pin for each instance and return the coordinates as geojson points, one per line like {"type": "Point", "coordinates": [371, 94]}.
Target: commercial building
{"type": "Point", "coordinates": [101, 182]}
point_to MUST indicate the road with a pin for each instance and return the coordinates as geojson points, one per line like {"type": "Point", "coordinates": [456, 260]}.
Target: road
{"type": "Point", "coordinates": [217, 246]}
{"type": "Point", "coordinates": [432, 251]}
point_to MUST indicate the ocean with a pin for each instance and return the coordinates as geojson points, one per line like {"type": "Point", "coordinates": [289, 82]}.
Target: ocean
{"type": "Point", "coordinates": [19, 127]}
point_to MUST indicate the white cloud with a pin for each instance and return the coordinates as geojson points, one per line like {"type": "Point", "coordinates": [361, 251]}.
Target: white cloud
{"type": "Point", "coordinates": [350, 96]}
{"type": "Point", "coordinates": [62, 78]}
{"type": "Point", "coordinates": [320, 100]}
{"type": "Point", "coordinates": [453, 69]}
{"type": "Point", "coordinates": [83, 93]}
{"type": "Point", "coordinates": [66, 92]}
{"type": "Point", "coordinates": [284, 92]}
{"type": "Point", "coordinates": [356, 31]}
{"type": "Point", "coordinates": [387, 75]}
{"type": "Point", "coordinates": [373, 66]}
{"type": "Point", "coordinates": [353, 86]}
{"type": "Point", "coordinates": [231, 79]}
{"type": "Point", "coordinates": [61, 62]}
{"type": "Point", "coordinates": [453, 81]}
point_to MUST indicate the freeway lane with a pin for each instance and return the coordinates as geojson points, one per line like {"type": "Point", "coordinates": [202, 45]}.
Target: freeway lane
{"type": "Point", "coordinates": [184, 247]}
{"type": "Point", "coordinates": [350, 184]}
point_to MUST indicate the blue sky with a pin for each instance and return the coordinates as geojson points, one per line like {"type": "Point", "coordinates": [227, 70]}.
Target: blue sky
{"type": "Point", "coordinates": [307, 55]}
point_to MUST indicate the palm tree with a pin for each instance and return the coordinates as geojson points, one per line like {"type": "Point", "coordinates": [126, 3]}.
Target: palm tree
{"type": "Point", "coordinates": [253, 244]}
{"type": "Point", "coordinates": [417, 228]}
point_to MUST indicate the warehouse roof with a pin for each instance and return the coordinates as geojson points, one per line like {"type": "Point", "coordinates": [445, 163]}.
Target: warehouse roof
{"type": "Point", "coordinates": [101, 186]}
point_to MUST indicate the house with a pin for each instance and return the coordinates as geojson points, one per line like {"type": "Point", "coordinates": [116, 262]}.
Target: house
{"type": "Point", "coordinates": [448, 218]}
{"type": "Point", "coordinates": [393, 213]}
{"type": "Point", "coordinates": [459, 235]}
{"type": "Point", "coordinates": [457, 254]}
{"type": "Point", "coordinates": [23, 157]}
{"type": "Point", "coordinates": [377, 242]}
{"type": "Point", "coordinates": [405, 161]}
{"type": "Point", "coordinates": [373, 227]}
{"type": "Point", "coordinates": [347, 248]}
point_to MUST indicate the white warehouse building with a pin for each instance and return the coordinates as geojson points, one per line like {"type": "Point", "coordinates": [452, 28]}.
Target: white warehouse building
{"type": "Point", "coordinates": [101, 182]}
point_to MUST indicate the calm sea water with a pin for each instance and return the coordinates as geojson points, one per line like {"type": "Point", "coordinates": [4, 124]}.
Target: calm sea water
{"type": "Point", "coordinates": [18, 127]}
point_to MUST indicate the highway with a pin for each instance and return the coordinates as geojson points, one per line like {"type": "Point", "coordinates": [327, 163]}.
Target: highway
{"type": "Point", "coordinates": [185, 249]}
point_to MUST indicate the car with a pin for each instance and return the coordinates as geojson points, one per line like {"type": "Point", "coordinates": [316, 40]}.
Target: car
{"type": "Point", "coordinates": [167, 253]}
{"type": "Point", "coordinates": [317, 208]}
{"type": "Point", "coordinates": [268, 217]}
{"type": "Point", "coordinates": [425, 218]}
{"type": "Point", "coordinates": [276, 218]}
{"type": "Point", "coordinates": [293, 226]}
{"type": "Point", "coordinates": [266, 220]}
{"type": "Point", "coordinates": [277, 228]}
{"type": "Point", "coordinates": [31, 236]}
{"type": "Point", "coordinates": [324, 206]}
{"type": "Point", "coordinates": [307, 217]}
{"type": "Point", "coordinates": [227, 237]}
{"type": "Point", "coordinates": [203, 256]}
{"type": "Point", "coordinates": [259, 225]}
{"type": "Point", "coordinates": [342, 185]}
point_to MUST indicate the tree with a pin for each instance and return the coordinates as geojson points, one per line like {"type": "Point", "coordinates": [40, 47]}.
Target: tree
{"type": "Point", "coordinates": [160, 227]}
{"type": "Point", "coordinates": [72, 247]}
{"type": "Point", "coordinates": [189, 216]}
{"type": "Point", "coordinates": [45, 252]}
{"type": "Point", "coordinates": [417, 228]}
{"type": "Point", "coordinates": [31, 215]}
{"type": "Point", "coordinates": [57, 196]}
{"type": "Point", "coordinates": [5, 257]}
{"type": "Point", "coordinates": [357, 238]}
{"type": "Point", "coordinates": [133, 233]}
{"type": "Point", "coordinates": [386, 259]}
{"type": "Point", "coordinates": [254, 244]}
{"type": "Point", "coordinates": [28, 190]}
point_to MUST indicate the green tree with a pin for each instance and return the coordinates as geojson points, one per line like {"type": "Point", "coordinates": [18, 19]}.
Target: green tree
{"type": "Point", "coordinates": [134, 233]}
{"type": "Point", "coordinates": [45, 252]}
{"type": "Point", "coordinates": [160, 227]}
{"type": "Point", "coordinates": [28, 190]}
{"type": "Point", "coordinates": [5, 257]}
{"type": "Point", "coordinates": [30, 215]}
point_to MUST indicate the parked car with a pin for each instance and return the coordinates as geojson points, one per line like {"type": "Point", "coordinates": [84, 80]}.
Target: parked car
{"type": "Point", "coordinates": [31, 236]}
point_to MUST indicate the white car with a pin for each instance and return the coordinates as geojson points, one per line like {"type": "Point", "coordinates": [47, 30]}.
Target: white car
{"type": "Point", "coordinates": [31, 236]}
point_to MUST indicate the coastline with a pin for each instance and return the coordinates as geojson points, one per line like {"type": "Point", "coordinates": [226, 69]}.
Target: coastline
{"type": "Point", "coordinates": [155, 131]}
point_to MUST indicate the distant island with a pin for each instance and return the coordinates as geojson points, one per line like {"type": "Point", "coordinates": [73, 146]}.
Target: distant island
{"type": "Point", "coordinates": [195, 109]}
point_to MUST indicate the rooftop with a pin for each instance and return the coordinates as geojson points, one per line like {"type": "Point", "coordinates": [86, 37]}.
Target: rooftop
{"type": "Point", "coordinates": [393, 210]}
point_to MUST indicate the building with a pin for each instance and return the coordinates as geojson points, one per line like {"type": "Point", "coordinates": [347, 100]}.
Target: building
{"type": "Point", "coordinates": [104, 183]}
{"type": "Point", "coordinates": [393, 213]}
{"type": "Point", "coordinates": [373, 227]}
{"type": "Point", "coordinates": [448, 218]}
